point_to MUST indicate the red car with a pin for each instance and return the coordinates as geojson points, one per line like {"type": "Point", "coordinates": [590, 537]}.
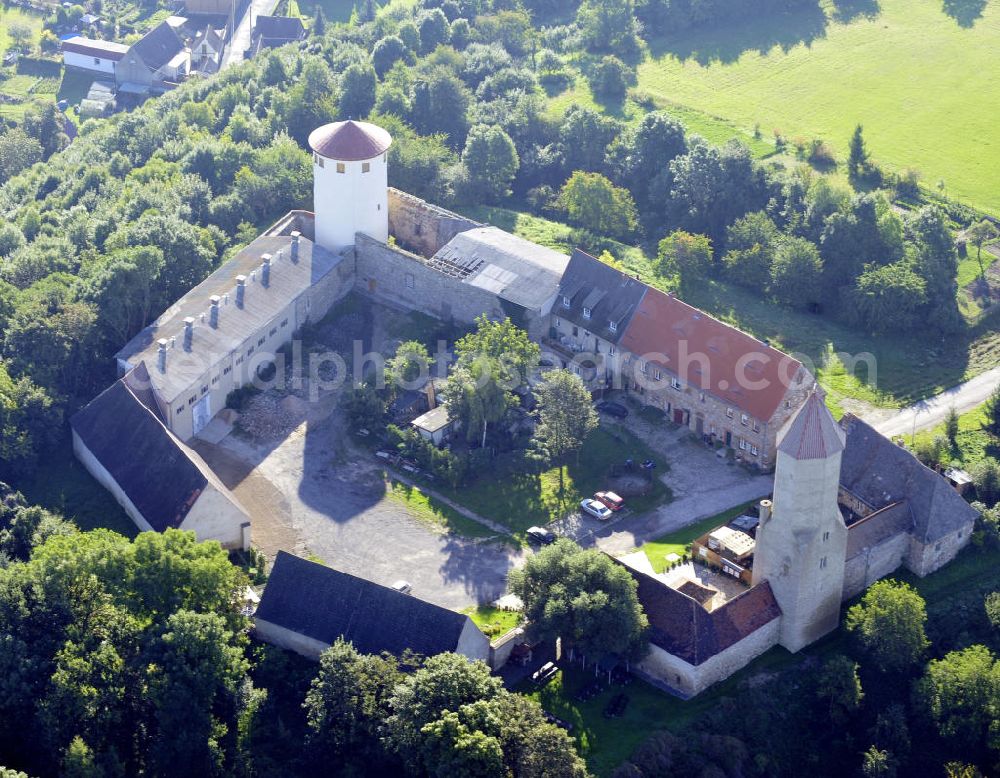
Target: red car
{"type": "Point", "coordinates": [612, 500]}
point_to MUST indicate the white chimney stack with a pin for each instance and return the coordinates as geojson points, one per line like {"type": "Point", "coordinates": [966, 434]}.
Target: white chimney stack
{"type": "Point", "coordinates": [765, 510]}
{"type": "Point", "coordinates": [213, 311]}
{"type": "Point", "coordinates": [188, 332]}
{"type": "Point", "coordinates": [161, 355]}
{"type": "Point", "coordinates": [265, 270]}
{"type": "Point", "coordinates": [296, 235]}
{"type": "Point", "coordinates": [241, 290]}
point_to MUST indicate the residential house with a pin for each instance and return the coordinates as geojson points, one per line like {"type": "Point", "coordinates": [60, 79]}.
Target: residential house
{"type": "Point", "coordinates": [155, 63]}
{"type": "Point", "coordinates": [307, 606]}
{"type": "Point", "coordinates": [121, 439]}
{"type": "Point", "coordinates": [272, 31]}
{"type": "Point", "coordinates": [207, 48]}
{"type": "Point", "coordinates": [93, 55]}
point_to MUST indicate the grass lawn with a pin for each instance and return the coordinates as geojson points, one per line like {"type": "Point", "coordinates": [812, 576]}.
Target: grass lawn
{"type": "Point", "coordinates": [908, 73]}
{"type": "Point", "coordinates": [519, 499]}
{"type": "Point", "coordinates": [972, 444]}
{"type": "Point", "coordinates": [902, 370]}
{"type": "Point", "coordinates": [61, 484]}
{"type": "Point", "coordinates": [493, 621]}
{"type": "Point", "coordinates": [333, 10]}
{"type": "Point", "coordinates": [679, 542]}
{"type": "Point", "coordinates": [431, 511]}
{"type": "Point", "coordinates": [9, 16]}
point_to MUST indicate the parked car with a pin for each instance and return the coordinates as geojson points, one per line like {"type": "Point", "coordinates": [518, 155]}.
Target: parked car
{"type": "Point", "coordinates": [595, 508]}
{"type": "Point", "coordinates": [617, 410]}
{"type": "Point", "coordinates": [612, 500]}
{"type": "Point", "coordinates": [540, 535]}
{"type": "Point", "coordinates": [403, 587]}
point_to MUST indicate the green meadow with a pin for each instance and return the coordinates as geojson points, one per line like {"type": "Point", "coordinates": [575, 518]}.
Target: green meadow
{"type": "Point", "coordinates": [921, 82]}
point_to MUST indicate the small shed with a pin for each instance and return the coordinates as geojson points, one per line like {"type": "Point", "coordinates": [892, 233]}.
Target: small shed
{"type": "Point", "coordinates": [958, 478]}
{"type": "Point", "coordinates": [434, 425]}
{"type": "Point", "coordinates": [737, 543]}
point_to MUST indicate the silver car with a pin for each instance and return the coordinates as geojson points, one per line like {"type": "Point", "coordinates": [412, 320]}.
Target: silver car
{"type": "Point", "coordinates": [596, 509]}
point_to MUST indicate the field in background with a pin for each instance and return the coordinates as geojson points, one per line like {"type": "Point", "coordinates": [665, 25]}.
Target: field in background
{"type": "Point", "coordinates": [910, 74]}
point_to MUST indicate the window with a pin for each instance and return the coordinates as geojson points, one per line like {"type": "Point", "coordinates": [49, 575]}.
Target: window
{"type": "Point", "coordinates": [284, 322]}
{"type": "Point", "coordinates": [611, 350]}
{"type": "Point", "coordinates": [318, 159]}
{"type": "Point", "coordinates": [180, 409]}
{"type": "Point", "coordinates": [557, 322]}
{"type": "Point", "coordinates": [409, 280]}
{"type": "Point", "coordinates": [656, 374]}
{"type": "Point", "coordinates": [341, 167]}
{"type": "Point", "coordinates": [613, 326]}
{"type": "Point", "coordinates": [826, 536]}
{"type": "Point", "coordinates": [274, 331]}
{"type": "Point", "coordinates": [250, 351]}
{"type": "Point", "coordinates": [365, 167]}
{"type": "Point", "coordinates": [744, 419]}
{"type": "Point", "coordinates": [260, 341]}
{"type": "Point", "coordinates": [743, 444]}
{"type": "Point", "coordinates": [191, 399]}
{"type": "Point", "coordinates": [586, 312]}
{"type": "Point", "coordinates": [215, 380]}
{"type": "Point", "coordinates": [753, 450]}
{"type": "Point", "coordinates": [756, 426]}
{"type": "Point", "coordinates": [701, 396]}
{"type": "Point", "coordinates": [575, 332]}
{"type": "Point", "coordinates": [675, 382]}
{"type": "Point", "coordinates": [226, 371]}
{"type": "Point", "coordinates": [729, 412]}
{"type": "Point", "coordinates": [204, 389]}
{"type": "Point", "coordinates": [642, 367]}
{"type": "Point", "coordinates": [566, 301]}
{"type": "Point", "coordinates": [97, 60]}
{"type": "Point", "coordinates": [239, 360]}
{"type": "Point", "coordinates": [822, 563]}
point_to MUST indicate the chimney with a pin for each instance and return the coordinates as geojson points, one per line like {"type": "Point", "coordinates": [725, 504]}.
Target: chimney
{"type": "Point", "coordinates": [213, 311]}
{"type": "Point", "coordinates": [265, 271]}
{"type": "Point", "coordinates": [765, 510]}
{"type": "Point", "coordinates": [295, 245]}
{"type": "Point", "coordinates": [188, 332]}
{"type": "Point", "coordinates": [161, 355]}
{"type": "Point", "coordinates": [431, 395]}
{"type": "Point", "coordinates": [241, 290]}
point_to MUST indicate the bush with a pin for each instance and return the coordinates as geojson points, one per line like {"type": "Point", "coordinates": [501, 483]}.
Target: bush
{"type": "Point", "coordinates": [238, 398]}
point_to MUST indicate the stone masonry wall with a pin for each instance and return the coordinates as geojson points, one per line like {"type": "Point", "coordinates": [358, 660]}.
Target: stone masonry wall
{"type": "Point", "coordinates": [923, 559]}
{"type": "Point", "coordinates": [421, 227]}
{"type": "Point", "coordinates": [870, 564]}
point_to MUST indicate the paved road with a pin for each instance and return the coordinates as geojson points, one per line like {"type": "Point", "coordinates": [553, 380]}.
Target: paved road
{"type": "Point", "coordinates": [241, 37]}
{"type": "Point", "coordinates": [931, 412]}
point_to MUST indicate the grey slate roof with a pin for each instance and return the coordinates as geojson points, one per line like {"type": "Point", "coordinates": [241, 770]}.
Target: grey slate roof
{"type": "Point", "coordinates": [681, 626]}
{"type": "Point", "coordinates": [510, 267]}
{"type": "Point", "coordinates": [611, 296]}
{"type": "Point", "coordinates": [288, 280]}
{"type": "Point", "coordinates": [275, 30]}
{"type": "Point", "coordinates": [325, 604]}
{"type": "Point", "coordinates": [878, 472]}
{"type": "Point", "coordinates": [878, 527]}
{"type": "Point", "coordinates": [161, 476]}
{"type": "Point", "coordinates": [811, 433]}
{"type": "Point", "coordinates": [158, 46]}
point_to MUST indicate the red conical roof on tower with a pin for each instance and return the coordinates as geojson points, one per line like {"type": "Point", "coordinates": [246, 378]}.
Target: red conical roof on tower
{"type": "Point", "coordinates": [812, 433]}
{"type": "Point", "coordinates": [349, 141]}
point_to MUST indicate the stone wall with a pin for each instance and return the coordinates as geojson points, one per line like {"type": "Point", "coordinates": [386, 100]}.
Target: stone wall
{"type": "Point", "coordinates": [401, 278]}
{"type": "Point", "coordinates": [866, 567]}
{"type": "Point", "coordinates": [693, 679]}
{"type": "Point", "coordinates": [924, 558]}
{"type": "Point", "coordinates": [852, 503]}
{"type": "Point", "coordinates": [421, 227]}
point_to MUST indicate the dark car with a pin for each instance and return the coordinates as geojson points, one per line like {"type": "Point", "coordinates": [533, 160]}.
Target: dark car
{"type": "Point", "coordinates": [540, 535]}
{"type": "Point", "coordinates": [617, 410]}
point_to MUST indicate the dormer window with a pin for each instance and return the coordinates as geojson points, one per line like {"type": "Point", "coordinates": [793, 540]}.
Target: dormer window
{"type": "Point", "coordinates": [613, 326]}
{"type": "Point", "coordinates": [566, 301]}
{"type": "Point", "coordinates": [675, 383]}
{"type": "Point", "coordinates": [586, 313]}
{"type": "Point", "coordinates": [657, 375]}
{"type": "Point", "coordinates": [642, 367]}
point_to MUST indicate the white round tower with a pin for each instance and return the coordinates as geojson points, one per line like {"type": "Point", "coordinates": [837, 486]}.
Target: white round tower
{"type": "Point", "coordinates": [350, 182]}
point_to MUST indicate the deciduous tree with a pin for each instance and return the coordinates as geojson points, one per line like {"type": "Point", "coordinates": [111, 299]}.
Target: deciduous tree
{"type": "Point", "coordinates": [888, 625]}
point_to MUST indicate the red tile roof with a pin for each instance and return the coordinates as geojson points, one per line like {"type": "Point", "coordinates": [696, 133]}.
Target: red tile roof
{"type": "Point", "coordinates": [713, 356]}
{"type": "Point", "coordinates": [349, 141]}
{"type": "Point", "coordinates": [812, 433]}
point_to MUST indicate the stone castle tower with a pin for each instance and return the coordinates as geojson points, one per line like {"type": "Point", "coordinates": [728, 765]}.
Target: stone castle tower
{"type": "Point", "coordinates": [802, 543]}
